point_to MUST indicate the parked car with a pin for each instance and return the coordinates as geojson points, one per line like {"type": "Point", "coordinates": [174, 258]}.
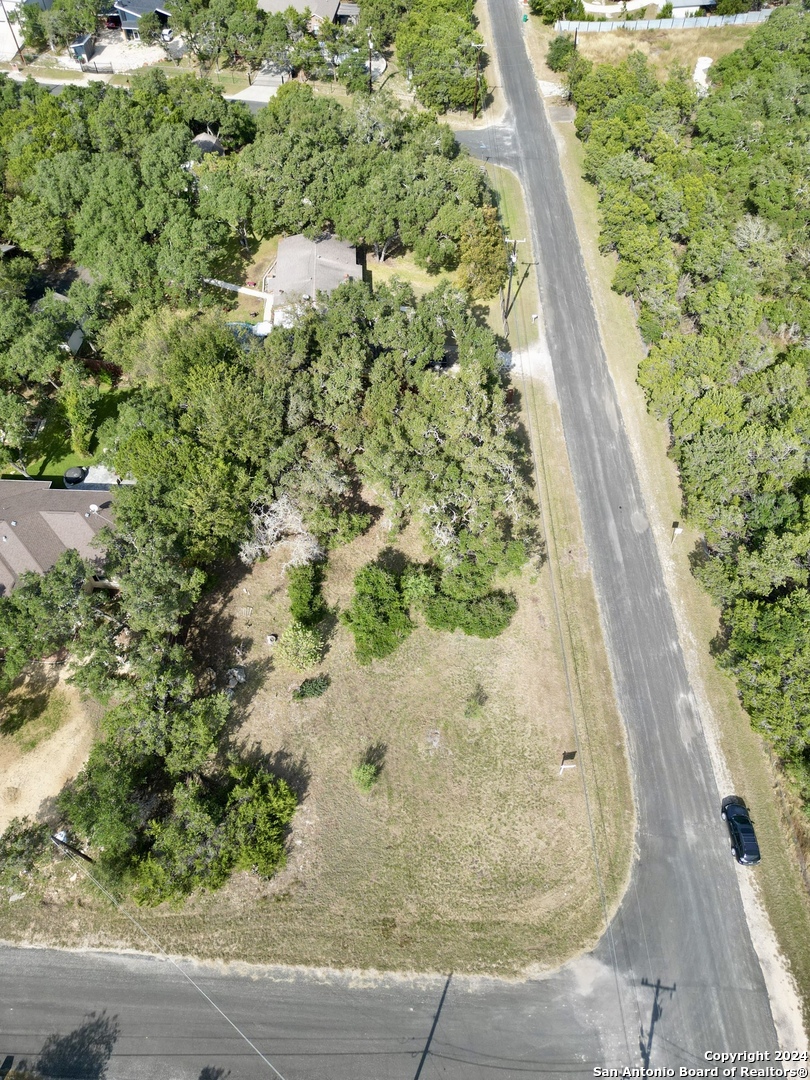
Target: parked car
{"type": "Point", "coordinates": [167, 34]}
{"type": "Point", "coordinates": [113, 22]}
{"type": "Point", "coordinates": [744, 846]}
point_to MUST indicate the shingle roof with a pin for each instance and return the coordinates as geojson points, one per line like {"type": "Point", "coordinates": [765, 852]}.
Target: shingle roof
{"type": "Point", "coordinates": [140, 7]}
{"type": "Point", "coordinates": [305, 267]}
{"type": "Point", "coordinates": [38, 523]}
{"type": "Point", "coordinates": [320, 9]}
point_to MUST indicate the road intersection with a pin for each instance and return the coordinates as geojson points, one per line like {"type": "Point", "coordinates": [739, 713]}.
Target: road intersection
{"type": "Point", "coordinates": [674, 977]}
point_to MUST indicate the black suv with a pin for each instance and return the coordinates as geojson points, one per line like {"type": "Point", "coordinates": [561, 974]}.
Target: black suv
{"type": "Point", "coordinates": [744, 846]}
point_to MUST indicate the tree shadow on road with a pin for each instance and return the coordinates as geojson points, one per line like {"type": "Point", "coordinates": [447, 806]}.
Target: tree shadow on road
{"type": "Point", "coordinates": [82, 1054]}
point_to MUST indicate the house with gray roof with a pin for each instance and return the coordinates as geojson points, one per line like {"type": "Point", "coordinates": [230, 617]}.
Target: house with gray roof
{"type": "Point", "coordinates": [131, 12]}
{"type": "Point", "coordinates": [303, 268]}
{"type": "Point", "coordinates": [320, 10]}
{"type": "Point", "coordinates": [38, 523]}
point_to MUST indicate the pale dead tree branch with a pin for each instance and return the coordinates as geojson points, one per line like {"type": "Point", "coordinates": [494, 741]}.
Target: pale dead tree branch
{"type": "Point", "coordinates": [280, 523]}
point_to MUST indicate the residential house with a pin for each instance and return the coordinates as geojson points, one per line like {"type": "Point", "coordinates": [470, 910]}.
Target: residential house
{"type": "Point", "coordinates": [321, 11]}
{"type": "Point", "coordinates": [38, 523]}
{"type": "Point", "coordinates": [303, 268]}
{"type": "Point", "coordinates": [131, 12]}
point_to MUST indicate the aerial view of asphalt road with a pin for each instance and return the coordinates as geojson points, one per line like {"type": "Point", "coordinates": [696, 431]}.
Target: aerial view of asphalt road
{"type": "Point", "coordinates": [682, 922]}
{"type": "Point", "coordinates": [675, 976]}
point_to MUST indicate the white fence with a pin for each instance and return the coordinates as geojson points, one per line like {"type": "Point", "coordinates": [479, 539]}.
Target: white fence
{"type": "Point", "coordinates": [566, 26]}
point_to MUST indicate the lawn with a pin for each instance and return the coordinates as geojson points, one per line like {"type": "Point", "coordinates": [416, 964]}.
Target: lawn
{"type": "Point", "coordinates": [238, 264]}
{"type": "Point", "coordinates": [50, 453]}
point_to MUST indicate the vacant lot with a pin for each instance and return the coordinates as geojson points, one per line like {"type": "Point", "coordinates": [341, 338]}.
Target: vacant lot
{"type": "Point", "coordinates": [663, 48]}
{"type": "Point", "coordinates": [471, 853]}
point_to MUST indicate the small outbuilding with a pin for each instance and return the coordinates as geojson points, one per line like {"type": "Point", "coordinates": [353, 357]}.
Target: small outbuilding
{"type": "Point", "coordinates": [207, 143]}
{"type": "Point", "coordinates": [82, 48]}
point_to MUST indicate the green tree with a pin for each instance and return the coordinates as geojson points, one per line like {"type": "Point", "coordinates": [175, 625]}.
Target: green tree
{"type": "Point", "coordinates": [78, 397]}
{"type": "Point", "coordinates": [560, 52]}
{"type": "Point", "coordinates": [439, 50]}
{"type": "Point", "coordinates": [32, 27]}
{"type": "Point", "coordinates": [377, 616]}
{"type": "Point", "coordinates": [483, 256]}
{"type": "Point", "coordinates": [299, 647]}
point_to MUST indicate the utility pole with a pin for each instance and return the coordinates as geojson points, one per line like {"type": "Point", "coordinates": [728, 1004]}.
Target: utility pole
{"type": "Point", "coordinates": [480, 49]}
{"type": "Point", "coordinates": [512, 265]}
{"type": "Point", "coordinates": [370, 46]}
{"type": "Point", "coordinates": [11, 30]}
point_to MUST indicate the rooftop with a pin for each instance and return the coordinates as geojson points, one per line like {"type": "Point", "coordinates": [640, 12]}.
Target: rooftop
{"type": "Point", "coordinates": [38, 523]}
{"type": "Point", "coordinates": [140, 7]}
{"type": "Point", "coordinates": [305, 267]}
{"type": "Point", "coordinates": [325, 10]}
{"type": "Point", "coordinates": [208, 143]}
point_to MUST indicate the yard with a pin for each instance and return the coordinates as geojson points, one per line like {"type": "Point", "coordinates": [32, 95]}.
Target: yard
{"type": "Point", "coordinates": [471, 853]}
{"type": "Point", "coordinates": [49, 452]}
{"type": "Point", "coordinates": [45, 735]}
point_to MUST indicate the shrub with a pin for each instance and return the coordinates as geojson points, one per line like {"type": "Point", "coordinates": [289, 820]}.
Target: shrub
{"type": "Point", "coordinates": [666, 11]}
{"type": "Point", "coordinates": [365, 775]}
{"type": "Point", "coordinates": [23, 842]}
{"type": "Point", "coordinates": [311, 688]}
{"type": "Point", "coordinates": [560, 52]}
{"type": "Point", "coordinates": [304, 592]}
{"type": "Point", "coordinates": [417, 585]}
{"type": "Point", "coordinates": [377, 616]}
{"type": "Point", "coordinates": [300, 647]}
{"type": "Point", "coordinates": [485, 617]}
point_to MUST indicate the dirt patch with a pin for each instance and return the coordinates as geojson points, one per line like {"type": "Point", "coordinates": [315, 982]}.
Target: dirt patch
{"type": "Point", "coordinates": [45, 736]}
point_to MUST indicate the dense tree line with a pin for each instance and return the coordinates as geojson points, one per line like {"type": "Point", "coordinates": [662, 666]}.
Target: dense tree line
{"type": "Point", "coordinates": [220, 430]}
{"type": "Point", "coordinates": [436, 41]}
{"type": "Point", "coordinates": [112, 180]}
{"type": "Point", "coordinates": [705, 203]}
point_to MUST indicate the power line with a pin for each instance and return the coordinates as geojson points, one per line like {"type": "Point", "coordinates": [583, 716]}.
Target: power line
{"type": "Point", "coordinates": [558, 602]}
{"type": "Point", "coordinates": [166, 956]}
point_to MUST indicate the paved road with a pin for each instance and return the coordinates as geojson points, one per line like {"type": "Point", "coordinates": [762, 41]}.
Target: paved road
{"type": "Point", "coordinates": [149, 1024]}
{"type": "Point", "coordinates": [682, 921]}
{"type": "Point", "coordinates": [681, 927]}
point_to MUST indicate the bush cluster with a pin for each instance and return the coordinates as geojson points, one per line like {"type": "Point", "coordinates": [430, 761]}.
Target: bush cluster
{"type": "Point", "coordinates": [312, 688]}
{"type": "Point", "coordinates": [377, 616]}
{"type": "Point", "coordinates": [304, 592]}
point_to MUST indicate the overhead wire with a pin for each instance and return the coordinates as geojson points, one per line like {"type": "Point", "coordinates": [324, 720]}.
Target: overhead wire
{"type": "Point", "coordinates": [117, 904]}
{"type": "Point", "coordinates": [558, 597]}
